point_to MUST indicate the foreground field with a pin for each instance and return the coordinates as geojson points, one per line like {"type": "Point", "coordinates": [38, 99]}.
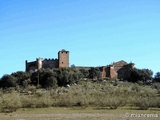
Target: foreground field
{"type": "Point", "coordinates": [90, 100]}
{"type": "Point", "coordinates": [78, 113]}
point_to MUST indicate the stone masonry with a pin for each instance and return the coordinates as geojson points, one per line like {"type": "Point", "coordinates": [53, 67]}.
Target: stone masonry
{"type": "Point", "coordinates": [118, 69]}
{"type": "Point", "coordinates": [62, 61]}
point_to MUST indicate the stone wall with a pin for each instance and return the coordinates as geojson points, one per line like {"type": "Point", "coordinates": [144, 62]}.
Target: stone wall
{"type": "Point", "coordinates": [122, 69]}
{"type": "Point", "coordinates": [118, 69]}
{"type": "Point", "coordinates": [103, 70]}
{"type": "Point", "coordinates": [50, 63]}
{"type": "Point", "coordinates": [63, 57]}
{"type": "Point", "coordinates": [62, 61]}
{"type": "Point", "coordinates": [31, 65]}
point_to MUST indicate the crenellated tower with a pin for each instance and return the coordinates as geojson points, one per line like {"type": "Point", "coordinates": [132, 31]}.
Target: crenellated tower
{"type": "Point", "coordinates": [63, 57]}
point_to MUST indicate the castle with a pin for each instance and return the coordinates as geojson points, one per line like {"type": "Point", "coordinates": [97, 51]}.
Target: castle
{"type": "Point", "coordinates": [118, 69]}
{"type": "Point", "coordinates": [62, 61]}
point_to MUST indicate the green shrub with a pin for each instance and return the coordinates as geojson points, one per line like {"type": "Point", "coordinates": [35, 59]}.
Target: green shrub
{"type": "Point", "coordinates": [10, 102]}
{"type": "Point", "coordinates": [45, 101]}
{"type": "Point", "coordinates": [65, 100]}
{"type": "Point", "coordinates": [156, 85]}
{"type": "Point", "coordinates": [114, 83]}
{"type": "Point", "coordinates": [100, 99]}
{"type": "Point", "coordinates": [154, 102]}
{"type": "Point", "coordinates": [31, 88]}
{"type": "Point", "coordinates": [115, 102]}
{"type": "Point", "coordinates": [28, 101]}
{"type": "Point", "coordinates": [142, 103]}
{"type": "Point", "coordinates": [158, 91]}
{"type": "Point", "coordinates": [140, 82]}
{"type": "Point", "coordinates": [136, 88]}
{"type": "Point", "coordinates": [84, 94]}
{"type": "Point", "coordinates": [37, 101]}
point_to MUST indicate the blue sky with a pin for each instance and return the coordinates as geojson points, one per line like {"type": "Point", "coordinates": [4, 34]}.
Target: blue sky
{"type": "Point", "coordinates": [96, 32]}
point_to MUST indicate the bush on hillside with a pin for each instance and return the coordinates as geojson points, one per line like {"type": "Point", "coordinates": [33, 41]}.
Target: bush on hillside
{"type": "Point", "coordinates": [10, 102]}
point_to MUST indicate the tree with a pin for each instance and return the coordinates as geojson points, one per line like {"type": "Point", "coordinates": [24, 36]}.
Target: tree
{"type": "Point", "coordinates": [74, 76]}
{"type": "Point", "coordinates": [84, 73]}
{"type": "Point", "coordinates": [21, 76]}
{"type": "Point", "coordinates": [73, 66]}
{"type": "Point", "coordinates": [65, 77]}
{"type": "Point", "coordinates": [147, 74]}
{"type": "Point", "coordinates": [140, 75]}
{"type": "Point", "coordinates": [51, 82]}
{"type": "Point", "coordinates": [157, 77]}
{"type": "Point", "coordinates": [9, 81]}
{"type": "Point", "coordinates": [94, 73]}
{"type": "Point", "coordinates": [44, 77]}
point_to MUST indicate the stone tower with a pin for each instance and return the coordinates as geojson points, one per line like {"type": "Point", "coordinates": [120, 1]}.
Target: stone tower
{"type": "Point", "coordinates": [39, 63]}
{"type": "Point", "coordinates": [63, 57]}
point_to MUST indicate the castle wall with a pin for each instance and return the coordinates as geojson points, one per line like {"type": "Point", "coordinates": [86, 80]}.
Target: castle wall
{"type": "Point", "coordinates": [50, 63]}
{"type": "Point", "coordinates": [103, 71]}
{"type": "Point", "coordinates": [31, 65]}
{"type": "Point", "coordinates": [122, 69]}
{"type": "Point", "coordinates": [111, 72]}
{"type": "Point", "coordinates": [62, 61]}
{"type": "Point", "coordinates": [118, 69]}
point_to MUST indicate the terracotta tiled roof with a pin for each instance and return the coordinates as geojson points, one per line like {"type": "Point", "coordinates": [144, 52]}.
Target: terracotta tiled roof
{"type": "Point", "coordinates": [119, 63]}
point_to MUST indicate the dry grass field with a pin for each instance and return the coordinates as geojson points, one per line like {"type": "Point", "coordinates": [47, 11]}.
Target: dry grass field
{"type": "Point", "coordinates": [79, 113]}
{"type": "Point", "coordinates": [84, 101]}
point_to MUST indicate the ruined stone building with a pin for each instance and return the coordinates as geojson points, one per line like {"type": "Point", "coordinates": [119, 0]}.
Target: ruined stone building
{"type": "Point", "coordinates": [118, 69]}
{"type": "Point", "coordinates": [62, 61]}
